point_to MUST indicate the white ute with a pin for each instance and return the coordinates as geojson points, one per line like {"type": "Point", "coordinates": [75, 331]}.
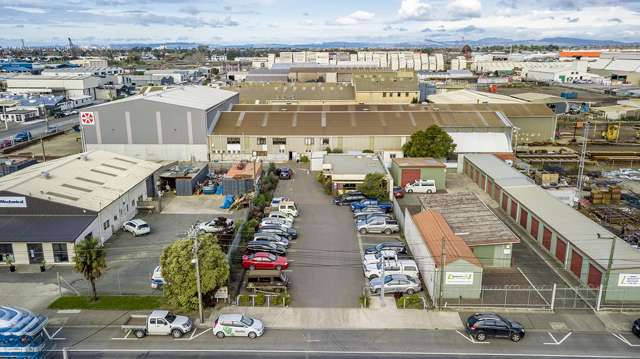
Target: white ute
{"type": "Point", "coordinates": [159, 322]}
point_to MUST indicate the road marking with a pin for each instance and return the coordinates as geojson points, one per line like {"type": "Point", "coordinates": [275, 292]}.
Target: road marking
{"type": "Point", "coordinates": [193, 334]}
{"type": "Point", "coordinates": [624, 340]}
{"type": "Point", "coordinates": [470, 338]}
{"type": "Point", "coordinates": [126, 337]}
{"type": "Point", "coordinates": [333, 352]}
{"type": "Point", "coordinates": [68, 311]}
{"type": "Point", "coordinates": [555, 341]}
{"type": "Point", "coordinates": [53, 336]}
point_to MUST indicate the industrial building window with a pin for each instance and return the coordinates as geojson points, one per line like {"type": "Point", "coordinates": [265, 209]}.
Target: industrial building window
{"type": "Point", "coordinates": [399, 94]}
{"type": "Point", "coordinates": [384, 94]}
{"type": "Point", "coordinates": [392, 155]}
{"type": "Point", "coordinates": [325, 141]}
{"type": "Point", "coordinates": [279, 141]}
{"type": "Point", "coordinates": [233, 140]}
{"type": "Point", "coordinates": [105, 225]}
{"type": "Point", "coordinates": [262, 140]}
{"type": "Point", "coordinates": [406, 94]}
{"type": "Point", "coordinates": [60, 253]}
{"type": "Point", "coordinates": [6, 250]}
{"type": "Point", "coordinates": [309, 141]}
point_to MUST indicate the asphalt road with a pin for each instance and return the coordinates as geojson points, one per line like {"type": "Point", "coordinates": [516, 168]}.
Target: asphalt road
{"type": "Point", "coordinates": [39, 127]}
{"type": "Point", "coordinates": [326, 268]}
{"type": "Point", "coordinates": [108, 343]}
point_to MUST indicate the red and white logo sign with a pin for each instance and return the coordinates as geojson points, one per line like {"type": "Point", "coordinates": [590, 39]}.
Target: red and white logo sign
{"type": "Point", "coordinates": [87, 119]}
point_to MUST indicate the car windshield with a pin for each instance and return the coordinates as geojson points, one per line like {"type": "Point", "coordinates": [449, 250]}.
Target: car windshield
{"type": "Point", "coordinates": [170, 317]}
{"type": "Point", "coordinates": [143, 226]}
{"type": "Point", "coordinates": [388, 279]}
{"type": "Point", "coordinates": [246, 321]}
{"type": "Point", "coordinates": [271, 256]}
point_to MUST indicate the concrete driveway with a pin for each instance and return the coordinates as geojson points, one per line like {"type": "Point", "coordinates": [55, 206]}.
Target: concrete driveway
{"type": "Point", "coordinates": [326, 269]}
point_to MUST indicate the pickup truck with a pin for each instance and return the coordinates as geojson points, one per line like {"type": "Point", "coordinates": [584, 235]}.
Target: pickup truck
{"type": "Point", "coordinates": [386, 206]}
{"type": "Point", "coordinates": [159, 322]}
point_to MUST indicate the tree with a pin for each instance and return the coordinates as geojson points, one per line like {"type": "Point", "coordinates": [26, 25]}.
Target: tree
{"type": "Point", "coordinates": [180, 274]}
{"type": "Point", "coordinates": [432, 142]}
{"type": "Point", "coordinates": [374, 186]}
{"type": "Point", "coordinates": [91, 261]}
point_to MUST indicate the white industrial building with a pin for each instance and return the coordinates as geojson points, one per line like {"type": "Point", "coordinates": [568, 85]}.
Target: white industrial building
{"type": "Point", "coordinates": [69, 86]}
{"type": "Point", "coordinates": [90, 62]}
{"type": "Point", "coordinates": [47, 208]}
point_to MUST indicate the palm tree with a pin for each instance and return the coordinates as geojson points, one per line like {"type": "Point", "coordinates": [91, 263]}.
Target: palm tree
{"type": "Point", "coordinates": [91, 261]}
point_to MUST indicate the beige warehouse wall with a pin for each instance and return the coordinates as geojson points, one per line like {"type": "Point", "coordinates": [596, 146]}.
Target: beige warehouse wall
{"type": "Point", "coordinates": [378, 98]}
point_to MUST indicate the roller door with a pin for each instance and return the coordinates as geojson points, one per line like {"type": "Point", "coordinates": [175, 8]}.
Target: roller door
{"type": "Point", "coordinates": [514, 209]}
{"type": "Point", "coordinates": [576, 263]}
{"type": "Point", "coordinates": [546, 238]}
{"type": "Point", "coordinates": [534, 227]}
{"type": "Point", "coordinates": [505, 201]}
{"type": "Point", "coordinates": [595, 277]}
{"type": "Point", "coordinates": [409, 175]}
{"type": "Point", "coordinates": [523, 218]}
{"type": "Point", "coordinates": [496, 192]}
{"type": "Point", "coordinates": [561, 250]}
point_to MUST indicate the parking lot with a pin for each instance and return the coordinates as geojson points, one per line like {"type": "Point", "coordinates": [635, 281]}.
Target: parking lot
{"type": "Point", "coordinates": [326, 267]}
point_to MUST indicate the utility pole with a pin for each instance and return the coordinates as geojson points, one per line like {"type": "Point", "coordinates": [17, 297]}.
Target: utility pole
{"type": "Point", "coordinates": [382, 277]}
{"type": "Point", "coordinates": [609, 264]}
{"type": "Point", "coordinates": [443, 258]}
{"type": "Point", "coordinates": [196, 247]}
{"type": "Point", "coordinates": [46, 119]}
{"type": "Point", "coordinates": [583, 154]}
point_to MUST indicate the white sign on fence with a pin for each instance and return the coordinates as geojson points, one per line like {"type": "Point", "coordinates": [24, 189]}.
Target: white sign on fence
{"type": "Point", "coordinates": [459, 278]}
{"type": "Point", "coordinates": [87, 119]}
{"type": "Point", "coordinates": [628, 280]}
{"type": "Point", "coordinates": [222, 293]}
{"type": "Point", "coordinates": [13, 202]}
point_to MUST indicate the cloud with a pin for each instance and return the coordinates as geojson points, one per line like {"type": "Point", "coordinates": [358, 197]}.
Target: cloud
{"type": "Point", "coordinates": [26, 9]}
{"type": "Point", "coordinates": [305, 14]}
{"type": "Point", "coordinates": [19, 26]}
{"type": "Point", "coordinates": [616, 20]}
{"type": "Point", "coordinates": [356, 17]}
{"type": "Point", "coordinates": [191, 10]}
{"type": "Point", "coordinates": [462, 9]}
{"type": "Point", "coordinates": [227, 8]}
{"type": "Point", "coordinates": [394, 28]}
{"type": "Point", "coordinates": [572, 19]}
{"type": "Point", "coordinates": [414, 10]}
{"type": "Point", "coordinates": [470, 28]}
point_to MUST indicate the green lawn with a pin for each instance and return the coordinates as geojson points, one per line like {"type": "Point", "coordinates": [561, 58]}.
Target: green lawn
{"type": "Point", "coordinates": [105, 302]}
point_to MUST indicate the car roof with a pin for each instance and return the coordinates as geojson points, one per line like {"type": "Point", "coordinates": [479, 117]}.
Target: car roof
{"type": "Point", "coordinates": [159, 313]}
{"type": "Point", "coordinates": [138, 221]}
{"type": "Point", "coordinates": [407, 262]}
{"type": "Point", "coordinates": [230, 317]}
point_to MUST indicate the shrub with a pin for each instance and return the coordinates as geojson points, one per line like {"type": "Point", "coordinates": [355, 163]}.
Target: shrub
{"type": "Point", "coordinates": [277, 300]}
{"type": "Point", "coordinates": [262, 200]}
{"type": "Point", "coordinates": [260, 299]}
{"type": "Point", "coordinates": [327, 149]}
{"type": "Point", "coordinates": [244, 300]}
{"type": "Point", "coordinates": [272, 168]}
{"type": "Point", "coordinates": [367, 151]}
{"type": "Point", "coordinates": [321, 178]}
{"type": "Point", "coordinates": [364, 300]}
{"type": "Point", "coordinates": [304, 159]}
{"type": "Point", "coordinates": [336, 150]}
{"type": "Point", "coordinates": [249, 229]}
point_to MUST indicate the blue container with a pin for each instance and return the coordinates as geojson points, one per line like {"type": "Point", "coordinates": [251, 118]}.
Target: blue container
{"type": "Point", "coordinates": [22, 334]}
{"type": "Point", "coordinates": [569, 95]}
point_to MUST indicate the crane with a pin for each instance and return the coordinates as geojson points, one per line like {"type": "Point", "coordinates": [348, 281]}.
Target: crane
{"type": "Point", "coordinates": [22, 41]}
{"type": "Point", "coordinates": [72, 47]}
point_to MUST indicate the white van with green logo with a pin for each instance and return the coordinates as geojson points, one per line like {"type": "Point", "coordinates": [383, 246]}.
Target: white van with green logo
{"type": "Point", "coordinates": [237, 325]}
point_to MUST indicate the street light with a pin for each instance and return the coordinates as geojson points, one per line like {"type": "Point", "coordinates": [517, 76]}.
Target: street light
{"type": "Point", "coordinates": [196, 246]}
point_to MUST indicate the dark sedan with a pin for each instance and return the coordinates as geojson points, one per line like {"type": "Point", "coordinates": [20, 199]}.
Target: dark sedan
{"type": "Point", "coordinates": [483, 325]}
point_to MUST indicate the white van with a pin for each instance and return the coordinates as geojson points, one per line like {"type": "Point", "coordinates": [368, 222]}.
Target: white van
{"type": "Point", "coordinates": [421, 186]}
{"type": "Point", "coordinates": [288, 207]}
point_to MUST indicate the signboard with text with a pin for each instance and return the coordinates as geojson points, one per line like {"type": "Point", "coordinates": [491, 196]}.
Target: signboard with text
{"type": "Point", "coordinates": [459, 278]}
{"type": "Point", "coordinates": [628, 280]}
{"type": "Point", "coordinates": [13, 202]}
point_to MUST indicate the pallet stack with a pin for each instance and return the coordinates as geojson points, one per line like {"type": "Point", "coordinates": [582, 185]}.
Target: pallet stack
{"type": "Point", "coordinates": [607, 195]}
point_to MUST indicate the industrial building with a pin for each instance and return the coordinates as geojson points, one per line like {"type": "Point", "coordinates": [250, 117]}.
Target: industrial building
{"type": "Point", "coordinates": [285, 134]}
{"type": "Point", "coordinates": [71, 86]}
{"type": "Point", "coordinates": [170, 124]}
{"type": "Point", "coordinates": [590, 253]}
{"type": "Point", "coordinates": [295, 93]}
{"type": "Point", "coordinates": [444, 259]}
{"type": "Point", "coordinates": [409, 169]}
{"type": "Point", "coordinates": [381, 89]}
{"type": "Point", "coordinates": [347, 171]}
{"type": "Point", "coordinates": [48, 207]}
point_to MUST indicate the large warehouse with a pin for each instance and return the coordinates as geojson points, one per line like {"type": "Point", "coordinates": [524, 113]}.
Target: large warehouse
{"type": "Point", "coordinates": [285, 135]}
{"type": "Point", "coordinates": [70, 86]}
{"type": "Point", "coordinates": [170, 124]}
{"type": "Point", "coordinates": [579, 244]}
{"type": "Point", "coordinates": [46, 208]}
{"type": "Point", "coordinates": [533, 122]}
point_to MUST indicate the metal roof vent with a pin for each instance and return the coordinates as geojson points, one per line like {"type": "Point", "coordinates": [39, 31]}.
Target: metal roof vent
{"type": "Point", "coordinates": [45, 174]}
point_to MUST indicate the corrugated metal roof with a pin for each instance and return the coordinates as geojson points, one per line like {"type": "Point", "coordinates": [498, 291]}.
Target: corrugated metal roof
{"type": "Point", "coordinates": [344, 164]}
{"type": "Point", "coordinates": [43, 229]}
{"type": "Point", "coordinates": [265, 92]}
{"type": "Point", "coordinates": [472, 97]}
{"type": "Point", "coordinates": [199, 97]}
{"type": "Point", "coordinates": [510, 110]}
{"type": "Point", "coordinates": [418, 162]}
{"type": "Point", "coordinates": [349, 123]}
{"type": "Point", "coordinates": [434, 229]}
{"type": "Point", "coordinates": [579, 230]}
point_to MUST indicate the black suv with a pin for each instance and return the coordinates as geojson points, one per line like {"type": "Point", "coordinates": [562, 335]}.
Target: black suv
{"type": "Point", "coordinates": [483, 325]}
{"type": "Point", "coordinates": [636, 327]}
{"type": "Point", "coordinates": [394, 246]}
{"type": "Point", "coordinates": [266, 246]}
{"type": "Point", "coordinates": [348, 198]}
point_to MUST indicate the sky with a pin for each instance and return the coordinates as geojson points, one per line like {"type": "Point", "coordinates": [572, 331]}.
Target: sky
{"type": "Point", "coordinates": [225, 22]}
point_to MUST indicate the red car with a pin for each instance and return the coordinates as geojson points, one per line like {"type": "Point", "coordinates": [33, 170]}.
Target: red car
{"type": "Point", "coordinates": [398, 192]}
{"type": "Point", "coordinates": [263, 260]}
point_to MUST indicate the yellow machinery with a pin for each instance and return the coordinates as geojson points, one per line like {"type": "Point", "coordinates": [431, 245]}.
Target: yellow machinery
{"type": "Point", "coordinates": [612, 133]}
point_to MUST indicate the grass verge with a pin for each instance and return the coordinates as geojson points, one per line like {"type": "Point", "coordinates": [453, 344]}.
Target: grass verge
{"type": "Point", "coordinates": [120, 302]}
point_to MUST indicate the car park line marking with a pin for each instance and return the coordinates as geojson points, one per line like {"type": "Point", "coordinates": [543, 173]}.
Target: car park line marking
{"type": "Point", "coordinates": [624, 340]}
{"type": "Point", "coordinates": [126, 337]}
{"type": "Point", "coordinates": [555, 341]}
{"type": "Point", "coordinates": [193, 334]}
{"type": "Point", "coordinates": [470, 338]}
{"type": "Point", "coordinates": [53, 336]}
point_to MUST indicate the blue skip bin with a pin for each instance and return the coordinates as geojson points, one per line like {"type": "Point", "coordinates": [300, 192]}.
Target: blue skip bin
{"type": "Point", "coordinates": [228, 201]}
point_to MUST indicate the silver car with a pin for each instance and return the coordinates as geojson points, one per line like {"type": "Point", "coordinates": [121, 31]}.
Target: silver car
{"type": "Point", "coordinates": [395, 283]}
{"type": "Point", "coordinates": [379, 225]}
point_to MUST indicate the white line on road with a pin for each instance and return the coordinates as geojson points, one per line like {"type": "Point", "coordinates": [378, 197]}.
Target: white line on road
{"type": "Point", "coordinates": [126, 337]}
{"type": "Point", "coordinates": [53, 336]}
{"type": "Point", "coordinates": [363, 353]}
{"type": "Point", "coordinates": [470, 339]}
{"type": "Point", "coordinates": [193, 334]}
{"type": "Point", "coordinates": [624, 340]}
{"type": "Point", "coordinates": [557, 342]}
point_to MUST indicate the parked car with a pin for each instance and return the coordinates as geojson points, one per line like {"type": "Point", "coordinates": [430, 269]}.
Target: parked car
{"type": "Point", "coordinates": [421, 186]}
{"type": "Point", "coordinates": [379, 225]}
{"type": "Point", "coordinates": [394, 246]}
{"type": "Point", "coordinates": [159, 322]}
{"type": "Point", "coordinates": [387, 254]}
{"type": "Point", "coordinates": [393, 266]}
{"type": "Point", "coordinates": [398, 192]}
{"type": "Point", "coordinates": [275, 201]}
{"type": "Point", "coordinates": [636, 327]}
{"type": "Point", "coordinates": [275, 221]}
{"type": "Point", "coordinates": [237, 325]}
{"type": "Point", "coordinates": [266, 246]}
{"type": "Point", "coordinates": [360, 213]}
{"type": "Point", "coordinates": [157, 280]}
{"type": "Point", "coordinates": [287, 207]}
{"type": "Point", "coordinates": [395, 283]}
{"type": "Point", "coordinates": [364, 217]}
{"type": "Point", "coordinates": [217, 225]}
{"type": "Point", "coordinates": [267, 280]}
{"type": "Point", "coordinates": [22, 136]}
{"type": "Point", "coordinates": [278, 214]}
{"type": "Point", "coordinates": [348, 198]}
{"type": "Point", "coordinates": [288, 232]}
{"type": "Point", "coordinates": [58, 115]}
{"type": "Point", "coordinates": [264, 260]}
{"type": "Point", "coordinates": [285, 173]}
{"type": "Point", "coordinates": [483, 325]}
{"type": "Point", "coordinates": [137, 227]}
{"type": "Point", "coordinates": [271, 237]}
{"type": "Point", "coordinates": [387, 206]}
{"type": "Point", "coordinates": [6, 143]}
